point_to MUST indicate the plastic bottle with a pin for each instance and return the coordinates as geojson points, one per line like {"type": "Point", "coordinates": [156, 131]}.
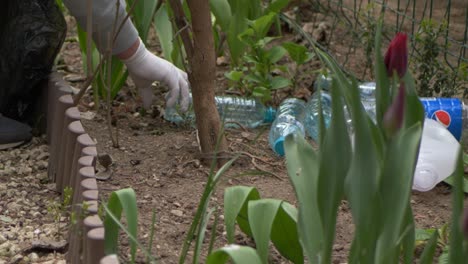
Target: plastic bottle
{"type": "Point", "coordinates": [311, 119]}
{"type": "Point", "coordinates": [437, 156]}
{"type": "Point", "coordinates": [450, 112]}
{"type": "Point", "coordinates": [289, 119]}
{"type": "Point", "coordinates": [247, 112]}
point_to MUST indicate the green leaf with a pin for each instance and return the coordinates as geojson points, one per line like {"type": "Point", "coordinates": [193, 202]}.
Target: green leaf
{"type": "Point", "coordinates": [450, 181]}
{"type": "Point", "coordinates": [331, 180]}
{"type": "Point", "coordinates": [456, 253]}
{"type": "Point", "coordinates": [236, 208]}
{"type": "Point", "coordinates": [262, 24]}
{"type": "Point", "coordinates": [302, 165]}
{"type": "Point", "coordinates": [284, 233]}
{"type": "Point", "coordinates": [222, 11]}
{"type": "Point", "coordinates": [121, 200]}
{"type": "Point", "coordinates": [143, 15]}
{"type": "Point", "coordinates": [298, 53]}
{"type": "Point", "coordinates": [275, 54]}
{"type": "Point", "coordinates": [396, 183]}
{"type": "Point", "coordinates": [276, 6]}
{"type": "Point", "coordinates": [234, 75]}
{"type": "Point", "coordinates": [279, 82]}
{"type": "Point", "coordinates": [164, 30]}
{"type": "Point", "coordinates": [236, 27]}
{"type": "Point", "coordinates": [427, 256]}
{"type": "Point", "coordinates": [262, 213]}
{"type": "Point", "coordinates": [444, 258]}
{"type": "Point", "coordinates": [424, 234]}
{"type": "Point", "coordinates": [237, 254]}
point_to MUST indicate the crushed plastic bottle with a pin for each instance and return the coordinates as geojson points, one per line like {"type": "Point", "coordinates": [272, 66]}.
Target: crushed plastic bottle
{"type": "Point", "coordinates": [233, 110]}
{"type": "Point", "coordinates": [437, 158]}
{"type": "Point", "coordinates": [289, 120]}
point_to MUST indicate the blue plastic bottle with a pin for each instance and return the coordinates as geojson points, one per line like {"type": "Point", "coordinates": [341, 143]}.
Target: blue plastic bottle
{"type": "Point", "coordinates": [289, 119]}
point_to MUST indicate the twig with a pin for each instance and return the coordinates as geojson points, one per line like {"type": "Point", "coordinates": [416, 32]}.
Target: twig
{"type": "Point", "coordinates": [268, 172]}
{"type": "Point", "coordinates": [181, 22]}
{"type": "Point", "coordinates": [253, 158]}
{"type": "Point", "coordinates": [237, 123]}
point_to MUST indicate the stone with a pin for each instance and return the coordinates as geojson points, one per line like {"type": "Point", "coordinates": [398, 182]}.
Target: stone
{"type": "Point", "coordinates": [178, 213]}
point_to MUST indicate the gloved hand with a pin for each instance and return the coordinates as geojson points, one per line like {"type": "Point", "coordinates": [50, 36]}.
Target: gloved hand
{"type": "Point", "coordinates": [145, 68]}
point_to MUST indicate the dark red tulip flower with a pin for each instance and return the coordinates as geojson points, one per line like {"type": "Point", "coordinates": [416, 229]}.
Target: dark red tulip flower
{"type": "Point", "coordinates": [393, 118]}
{"type": "Point", "coordinates": [396, 58]}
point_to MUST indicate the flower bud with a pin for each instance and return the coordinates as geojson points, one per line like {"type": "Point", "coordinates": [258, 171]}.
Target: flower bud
{"type": "Point", "coordinates": [396, 58]}
{"type": "Point", "coordinates": [393, 118]}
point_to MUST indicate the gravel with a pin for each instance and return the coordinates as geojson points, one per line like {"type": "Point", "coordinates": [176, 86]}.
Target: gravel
{"type": "Point", "coordinates": [25, 195]}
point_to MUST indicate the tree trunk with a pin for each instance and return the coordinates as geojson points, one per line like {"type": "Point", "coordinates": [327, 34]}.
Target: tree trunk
{"type": "Point", "coordinates": [202, 73]}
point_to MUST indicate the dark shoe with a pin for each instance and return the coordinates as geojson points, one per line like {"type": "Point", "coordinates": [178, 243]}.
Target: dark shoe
{"type": "Point", "coordinates": [13, 133]}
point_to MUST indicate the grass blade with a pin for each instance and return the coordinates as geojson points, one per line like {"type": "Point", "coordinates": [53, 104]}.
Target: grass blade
{"type": "Point", "coordinates": [201, 235]}
{"type": "Point", "coordinates": [153, 228]}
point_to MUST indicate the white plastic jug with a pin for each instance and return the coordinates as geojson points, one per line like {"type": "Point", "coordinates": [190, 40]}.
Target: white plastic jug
{"type": "Point", "coordinates": [437, 156]}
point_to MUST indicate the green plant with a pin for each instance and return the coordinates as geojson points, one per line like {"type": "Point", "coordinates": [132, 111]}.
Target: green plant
{"type": "Point", "coordinates": [374, 173]}
{"type": "Point", "coordinates": [264, 220]}
{"type": "Point", "coordinates": [60, 210]}
{"type": "Point", "coordinates": [257, 74]}
{"type": "Point", "coordinates": [233, 16]}
{"type": "Point", "coordinates": [433, 78]}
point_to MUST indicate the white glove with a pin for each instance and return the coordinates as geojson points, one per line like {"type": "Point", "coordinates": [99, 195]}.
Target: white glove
{"type": "Point", "coordinates": [145, 68]}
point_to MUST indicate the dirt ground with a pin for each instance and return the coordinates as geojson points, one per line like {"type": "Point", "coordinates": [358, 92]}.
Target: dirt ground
{"type": "Point", "coordinates": [161, 162]}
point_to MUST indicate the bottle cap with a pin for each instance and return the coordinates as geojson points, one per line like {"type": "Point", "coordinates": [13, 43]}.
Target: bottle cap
{"type": "Point", "coordinates": [270, 115]}
{"type": "Point", "coordinates": [279, 146]}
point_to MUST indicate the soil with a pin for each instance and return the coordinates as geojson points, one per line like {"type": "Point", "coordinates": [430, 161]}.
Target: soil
{"type": "Point", "coordinates": [162, 163]}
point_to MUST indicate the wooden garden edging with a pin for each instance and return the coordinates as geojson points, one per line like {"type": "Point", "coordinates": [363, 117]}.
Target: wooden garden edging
{"type": "Point", "coordinates": [72, 163]}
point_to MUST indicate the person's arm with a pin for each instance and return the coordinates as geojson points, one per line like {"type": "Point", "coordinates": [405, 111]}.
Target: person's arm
{"type": "Point", "coordinates": [143, 66]}
{"type": "Point", "coordinates": [103, 17]}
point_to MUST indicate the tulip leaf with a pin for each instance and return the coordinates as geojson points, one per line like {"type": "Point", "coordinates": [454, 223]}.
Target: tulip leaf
{"type": "Point", "coordinates": [236, 200]}
{"type": "Point", "coordinates": [396, 183]}
{"type": "Point", "coordinates": [270, 220]}
{"type": "Point", "coordinates": [123, 200]}
{"type": "Point", "coordinates": [331, 179]}
{"type": "Point", "coordinates": [456, 253]}
{"type": "Point", "coordinates": [237, 254]}
{"type": "Point", "coordinates": [261, 216]}
{"type": "Point", "coordinates": [302, 164]}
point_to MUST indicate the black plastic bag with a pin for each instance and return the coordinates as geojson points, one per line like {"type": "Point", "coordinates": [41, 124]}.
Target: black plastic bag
{"type": "Point", "coordinates": [31, 34]}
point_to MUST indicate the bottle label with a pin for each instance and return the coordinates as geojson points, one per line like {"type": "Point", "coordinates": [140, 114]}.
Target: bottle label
{"type": "Point", "coordinates": [446, 111]}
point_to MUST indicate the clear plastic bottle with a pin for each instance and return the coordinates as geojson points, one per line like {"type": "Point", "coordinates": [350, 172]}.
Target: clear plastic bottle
{"type": "Point", "coordinates": [247, 112]}
{"type": "Point", "coordinates": [289, 119]}
{"type": "Point", "coordinates": [311, 123]}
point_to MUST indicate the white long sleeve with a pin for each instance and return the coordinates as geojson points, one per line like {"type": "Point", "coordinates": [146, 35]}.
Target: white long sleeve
{"type": "Point", "coordinates": [103, 16]}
